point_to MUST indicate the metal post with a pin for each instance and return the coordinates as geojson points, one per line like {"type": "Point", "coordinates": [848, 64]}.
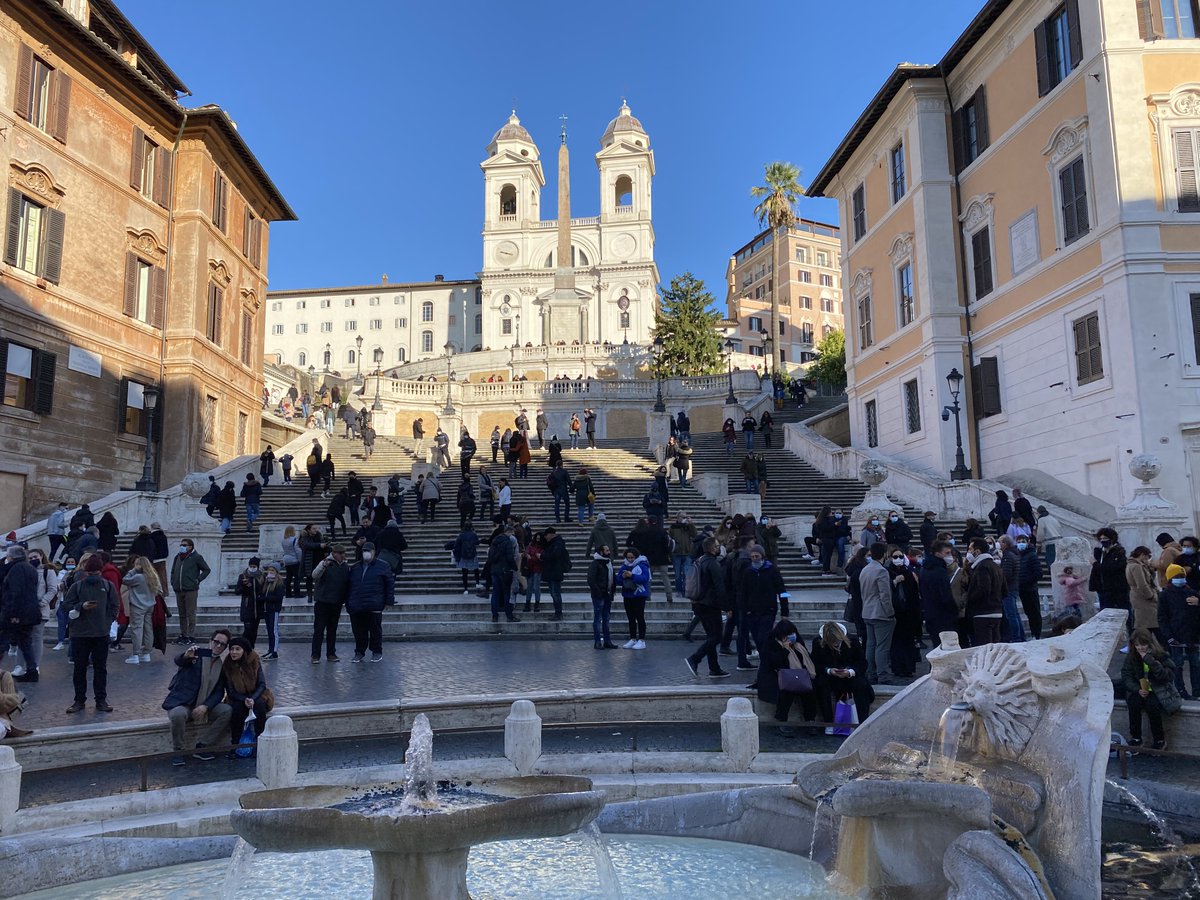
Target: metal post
{"type": "Point", "coordinates": [358, 360]}
{"type": "Point", "coordinates": [731, 400]}
{"type": "Point", "coordinates": [960, 472]}
{"type": "Point", "coordinates": [149, 402]}
{"type": "Point", "coordinates": [657, 350]}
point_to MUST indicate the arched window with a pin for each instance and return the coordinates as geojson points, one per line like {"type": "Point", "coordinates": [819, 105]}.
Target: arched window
{"type": "Point", "coordinates": [302, 359]}
{"type": "Point", "coordinates": [350, 357]}
{"type": "Point", "coordinates": [578, 258]}
{"type": "Point", "coordinates": [426, 341]}
{"type": "Point", "coordinates": [478, 324]}
{"type": "Point", "coordinates": [327, 358]}
{"type": "Point", "coordinates": [624, 191]}
{"type": "Point", "coordinates": [508, 200]}
{"type": "Point", "coordinates": [400, 354]}
{"type": "Point", "coordinates": [624, 320]}
{"type": "Point", "coordinates": [427, 311]}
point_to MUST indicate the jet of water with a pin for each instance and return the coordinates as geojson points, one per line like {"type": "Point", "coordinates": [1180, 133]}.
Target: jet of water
{"type": "Point", "coordinates": [606, 873]}
{"type": "Point", "coordinates": [239, 861]}
{"type": "Point", "coordinates": [420, 787]}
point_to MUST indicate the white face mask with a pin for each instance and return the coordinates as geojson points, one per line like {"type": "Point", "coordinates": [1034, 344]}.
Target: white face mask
{"type": "Point", "coordinates": [874, 523]}
{"type": "Point", "coordinates": [252, 570]}
{"type": "Point", "coordinates": [368, 556]}
{"type": "Point", "coordinates": [1021, 546]}
{"type": "Point", "coordinates": [270, 576]}
{"type": "Point", "coordinates": [949, 558]}
{"type": "Point", "coordinates": [970, 557]}
{"type": "Point", "coordinates": [893, 518]}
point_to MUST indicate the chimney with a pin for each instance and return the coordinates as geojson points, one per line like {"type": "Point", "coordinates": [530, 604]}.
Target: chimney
{"type": "Point", "coordinates": [439, 277]}
{"type": "Point", "coordinates": [385, 277]}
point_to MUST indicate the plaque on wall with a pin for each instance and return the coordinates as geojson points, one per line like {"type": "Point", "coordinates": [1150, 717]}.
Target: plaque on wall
{"type": "Point", "coordinates": [85, 361]}
{"type": "Point", "coordinates": [1023, 242]}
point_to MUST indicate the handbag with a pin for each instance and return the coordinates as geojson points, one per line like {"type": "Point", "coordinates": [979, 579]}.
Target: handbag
{"type": "Point", "coordinates": [797, 681]}
{"type": "Point", "coordinates": [844, 714]}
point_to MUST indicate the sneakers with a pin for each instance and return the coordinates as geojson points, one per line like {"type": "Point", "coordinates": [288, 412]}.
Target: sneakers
{"type": "Point", "coordinates": [376, 657]}
{"type": "Point", "coordinates": [203, 754]}
{"type": "Point", "coordinates": [134, 660]}
{"type": "Point", "coordinates": [272, 655]}
{"type": "Point", "coordinates": [358, 657]}
{"type": "Point", "coordinates": [333, 658]}
{"type": "Point", "coordinates": [753, 654]}
{"type": "Point", "coordinates": [178, 761]}
{"type": "Point", "coordinates": [18, 671]}
{"type": "Point", "coordinates": [59, 646]}
{"type": "Point", "coordinates": [628, 645]}
{"type": "Point", "coordinates": [691, 667]}
{"type": "Point", "coordinates": [639, 645]}
{"type": "Point", "coordinates": [720, 673]}
{"type": "Point", "coordinates": [315, 660]}
{"type": "Point", "coordinates": [1159, 745]}
{"type": "Point", "coordinates": [145, 657]}
{"type": "Point", "coordinates": [747, 668]}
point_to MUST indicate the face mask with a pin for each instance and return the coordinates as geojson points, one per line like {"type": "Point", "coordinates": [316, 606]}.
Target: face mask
{"type": "Point", "coordinates": [837, 515]}
{"type": "Point", "coordinates": [34, 561]}
{"type": "Point", "coordinates": [368, 556]}
{"type": "Point", "coordinates": [949, 558]}
{"type": "Point", "coordinates": [756, 564]}
{"type": "Point", "coordinates": [791, 639]}
{"type": "Point", "coordinates": [69, 568]}
{"type": "Point", "coordinates": [1179, 582]}
{"type": "Point", "coordinates": [763, 521]}
{"type": "Point", "coordinates": [1022, 546]}
{"type": "Point", "coordinates": [1105, 543]}
{"type": "Point", "coordinates": [183, 548]}
{"type": "Point", "coordinates": [874, 523]}
{"type": "Point", "coordinates": [950, 542]}
{"type": "Point", "coordinates": [970, 557]}
{"type": "Point", "coordinates": [270, 576]}
{"type": "Point", "coordinates": [1189, 550]}
{"type": "Point", "coordinates": [252, 570]}
{"type": "Point", "coordinates": [893, 518]}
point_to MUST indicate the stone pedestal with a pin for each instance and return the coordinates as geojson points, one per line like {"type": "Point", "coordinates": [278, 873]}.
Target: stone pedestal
{"type": "Point", "coordinates": [1148, 513]}
{"type": "Point", "coordinates": [270, 542]}
{"type": "Point", "coordinates": [523, 736]}
{"type": "Point", "coordinates": [420, 876]}
{"type": "Point", "coordinates": [747, 504]}
{"type": "Point", "coordinates": [10, 788]}
{"type": "Point", "coordinates": [713, 485]}
{"type": "Point", "coordinates": [278, 753]}
{"type": "Point", "coordinates": [876, 503]}
{"type": "Point", "coordinates": [424, 468]}
{"type": "Point", "coordinates": [658, 432]}
{"type": "Point", "coordinates": [739, 733]}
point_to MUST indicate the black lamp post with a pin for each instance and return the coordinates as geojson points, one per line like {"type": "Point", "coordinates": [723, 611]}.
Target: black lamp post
{"type": "Point", "coordinates": [954, 381]}
{"type": "Point", "coordinates": [768, 347]}
{"type": "Point", "coordinates": [149, 402]}
{"type": "Point", "coordinates": [378, 404]}
{"type": "Point", "coordinates": [449, 348]}
{"type": "Point", "coordinates": [731, 400]}
{"type": "Point", "coordinates": [358, 360]}
{"type": "Point", "coordinates": [657, 349]}
{"type": "Point", "coordinates": [328, 356]}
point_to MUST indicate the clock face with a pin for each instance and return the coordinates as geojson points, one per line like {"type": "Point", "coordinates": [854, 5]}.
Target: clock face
{"type": "Point", "coordinates": [623, 304]}
{"type": "Point", "coordinates": [506, 252]}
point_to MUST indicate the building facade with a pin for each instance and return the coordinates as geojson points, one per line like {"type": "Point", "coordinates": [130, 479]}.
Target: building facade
{"type": "Point", "coordinates": [1026, 212]}
{"type": "Point", "coordinates": [805, 264]}
{"type": "Point", "coordinates": [135, 256]}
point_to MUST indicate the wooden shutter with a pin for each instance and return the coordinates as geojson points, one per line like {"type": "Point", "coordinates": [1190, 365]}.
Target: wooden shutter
{"type": "Point", "coordinates": [135, 158]}
{"type": "Point", "coordinates": [131, 283]}
{"type": "Point", "coordinates": [1083, 372]}
{"type": "Point", "coordinates": [56, 227]}
{"type": "Point", "coordinates": [122, 404]}
{"type": "Point", "coordinates": [247, 225]}
{"type": "Point", "coordinates": [12, 238]}
{"type": "Point", "coordinates": [24, 81]}
{"type": "Point", "coordinates": [1041, 44]}
{"type": "Point", "coordinates": [162, 176]}
{"type": "Point", "coordinates": [43, 374]}
{"type": "Point", "coordinates": [60, 106]}
{"type": "Point", "coordinates": [1150, 22]}
{"type": "Point", "coordinates": [1066, 184]}
{"type": "Point", "coordinates": [985, 387]}
{"type": "Point", "coordinates": [224, 226]}
{"type": "Point", "coordinates": [1187, 142]}
{"type": "Point", "coordinates": [1074, 35]}
{"type": "Point", "coordinates": [3, 362]}
{"type": "Point", "coordinates": [982, 134]}
{"type": "Point", "coordinates": [220, 200]}
{"type": "Point", "coordinates": [158, 296]}
{"type": "Point", "coordinates": [247, 338]}
{"type": "Point", "coordinates": [1194, 305]}
{"type": "Point", "coordinates": [1095, 355]}
{"type": "Point", "coordinates": [257, 247]}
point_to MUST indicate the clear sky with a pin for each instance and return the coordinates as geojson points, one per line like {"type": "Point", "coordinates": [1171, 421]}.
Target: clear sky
{"type": "Point", "coordinates": [372, 117]}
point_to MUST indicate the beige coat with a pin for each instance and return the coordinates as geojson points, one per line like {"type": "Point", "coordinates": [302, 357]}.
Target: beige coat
{"type": "Point", "coordinates": [1143, 593]}
{"type": "Point", "coordinates": [10, 700]}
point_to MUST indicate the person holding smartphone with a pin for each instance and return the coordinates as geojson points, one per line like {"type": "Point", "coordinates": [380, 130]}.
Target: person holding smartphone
{"type": "Point", "coordinates": [196, 694]}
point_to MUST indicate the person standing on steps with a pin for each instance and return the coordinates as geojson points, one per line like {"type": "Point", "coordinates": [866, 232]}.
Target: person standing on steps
{"type": "Point", "coordinates": [226, 507]}
{"type": "Point", "coordinates": [575, 427]}
{"type": "Point", "coordinates": [602, 534]}
{"type": "Point", "coordinates": [897, 532]}
{"type": "Point", "coordinates": [327, 474]}
{"type": "Point", "coordinates": [336, 513]}
{"type": "Point", "coordinates": [441, 443]}
{"type": "Point", "coordinates": [683, 427]}
{"type": "Point", "coordinates": [602, 584]}
{"type": "Point", "coordinates": [290, 556]}
{"type": "Point", "coordinates": [712, 598]}
{"type": "Point", "coordinates": [188, 570]}
{"type": "Point", "coordinates": [251, 585]}
{"type": "Point", "coordinates": [495, 442]}
{"type": "Point", "coordinates": [372, 588]}
{"type": "Point", "coordinates": [729, 434]}
{"type": "Point", "coordinates": [332, 585]}
{"type": "Point", "coordinates": [252, 498]}
{"type": "Point", "coordinates": [879, 615]}
{"type": "Point", "coordinates": [465, 551]}
{"type": "Point", "coordinates": [634, 577]}
{"type": "Point", "coordinates": [522, 424]}
{"type": "Point", "coordinates": [368, 439]}
{"type": "Point", "coordinates": [542, 425]}
{"type": "Point", "coordinates": [502, 564]}
{"type": "Point", "coordinates": [350, 420]}
{"type": "Point", "coordinates": [418, 433]}
{"type": "Point", "coordinates": [683, 463]}
{"type": "Point", "coordinates": [266, 465]}
{"type": "Point", "coordinates": [560, 486]}
{"type": "Point", "coordinates": [504, 498]}
{"type": "Point", "coordinates": [109, 531]}
{"type": "Point", "coordinates": [285, 463]}
{"type": "Point", "coordinates": [92, 606]}
{"type": "Point", "coordinates": [467, 448]}
{"type": "Point", "coordinates": [749, 423]}
{"type": "Point", "coordinates": [312, 465]}
{"type": "Point", "coordinates": [750, 473]}
{"type": "Point", "coordinates": [464, 500]}
{"type": "Point", "coordinates": [531, 571]}
{"type": "Point", "coordinates": [56, 529]}
{"type": "Point", "coordinates": [682, 536]}
{"type": "Point", "coordinates": [585, 495]}
{"type": "Point", "coordinates": [763, 596]}
{"type": "Point", "coordinates": [760, 474]}
{"type": "Point", "coordinates": [487, 496]}
{"type": "Point", "coordinates": [589, 424]}
{"type": "Point", "coordinates": [354, 496]}
{"type": "Point", "coordinates": [556, 563]}
{"type": "Point", "coordinates": [767, 426]}
{"type": "Point", "coordinates": [273, 591]}
{"type": "Point", "coordinates": [312, 551]}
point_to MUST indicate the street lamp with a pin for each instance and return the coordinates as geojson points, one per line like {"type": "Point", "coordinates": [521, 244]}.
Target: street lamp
{"type": "Point", "coordinates": [358, 360]}
{"type": "Point", "coordinates": [378, 404]}
{"type": "Point", "coordinates": [657, 349]}
{"type": "Point", "coordinates": [954, 381]}
{"type": "Point", "coordinates": [768, 346]}
{"type": "Point", "coordinates": [328, 356]}
{"type": "Point", "coordinates": [731, 400]}
{"type": "Point", "coordinates": [517, 318]}
{"type": "Point", "coordinates": [449, 348]}
{"type": "Point", "coordinates": [149, 402]}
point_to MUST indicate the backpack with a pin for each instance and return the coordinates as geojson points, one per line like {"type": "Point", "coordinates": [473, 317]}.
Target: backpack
{"type": "Point", "coordinates": [311, 461]}
{"type": "Point", "coordinates": [691, 583]}
{"type": "Point", "coordinates": [551, 484]}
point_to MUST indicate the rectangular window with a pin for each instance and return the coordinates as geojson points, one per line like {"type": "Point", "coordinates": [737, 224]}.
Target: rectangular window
{"type": "Point", "coordinates": [904, 290]}
{"type": "Point", "coordinates": [301, 328]}
{"type": "Point", "coordinates": [276, 329]}
{"type": "Point", "coordinates": [350, 302]}
{"type": "Point", "coordinates": [985, 387]}
{"type": "Point", "coordinates": [782, 328]}
{"type": "Point", "coordinates": [760, 292]}
{"type": "Point", "coordinates": [427, 341]}
{"type": "Point", "coordinates": [872, 418]}
{"type": "Point", "coordinates": [865, 336]}
{"type": "Point", "coordinates": [43, 94]}
{"type": "Point", "coordinates": [208, 420]}
{"type": "Point", "coordinates": [1187, 149]}
{"type": "Point", "coordinates": [478, 324]}
{"type": "Point", "coordinates": [1073, 197]}
{"type": "Point", "coordinates": [148, 168]}
{"type": "Point", "coordinates": [859, 203]}
{"type": "Point", "coordinates": [247, 338]}
{"type": "Point", "coordinates": [145, 290]}
{"type": "Point", "coordinates": [402, 322]}
{"type": "Point", "coordinates": [826, 281]}
{"type": "Point", "coordinates": [969, 130]}
{"type": "Point", "coordinates": [1089, 360]}
{"type": "Point", "coordinates": [374, 301]}
{"type": "Point", "coordinates": [758, 351]}
{"type": "Point", "coordinates": [755, 324]}
{"type": "Point", "coordinates": [243, 424]}
{"type": "Point", "coordinates": [898, 173]}
{"type": "Point", "coordinates": [276, 307]}
{"type": "Point", "coordinates": [806, 333]}
{"type": "Point", "coordinates": [301, 304]}
{"type": "Point", "coordinates": [326, 303]}
{"type": "Point", "coordinates": [1170, 19]}
{"type": "Point", "coordinates": [34, 242]}
{"type": "Point", "coordinates": [912, 407]}
{"type": "Point", "coordinates": [806, 302]}
{"type": "Point", "coordinates": [131, 408]}
{"type": "Point", "coordinates": [805, 277]}
{"type": "Point", "coordinates": [377, 324]}
{"type": "Point", "coordinates": [212, 324]}
{"type": "Point", "coordinates": [823, 258]}
{"type": "Point", "coordinates": [981, 261]}
{"type": "Point", "coordinates": [220, 201]}
{"type": "Point", "coordinates": [1194, 308]}
{"type": "Point", "coordinates": [827, 304]}
{"type": "Point", "coordinates": [506, 326]}
{"type": "Point", "coordinates": [802, 255]}
{"type": "Point", "coordinates": [28, 377]}
{"type": "Point", "coordinates": [352, 325]}
{"type": "Point", "coordinates": [451, 320]}
{"type": "Point", "coordinates": [326, 327]}
{"type": "Point", "coordinates": [1058, 46]}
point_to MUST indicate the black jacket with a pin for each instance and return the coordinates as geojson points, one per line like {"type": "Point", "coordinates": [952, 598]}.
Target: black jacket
{"type": "Point", "coordinates": [985, 589]}
{"type": "Point", "coordinates": [252, 587]}
{"type": "Point", "coordinates": [331, 583]}
{"type": "Point", "coordinates": [556, 560]}
{"type": "Point", "coordinates": [929, 533]}
{"type": "Point", "coordinates": [652, 543]}
{"type": "Point", "coordinates": [601, 580]}
{"type": "Point", "coordinates": [937, 601]}
{"type": "Point", "coordinates": [185, 685]}
{"type": "Point", "coordinates": [1108, 574]}
{"type": "Point", "coordinates": [142, 545]}
{"type": "Point", "coordinates": [227, 503]}
{"type": "Point", "coordinates": [1178, 620]}
{"type": "Point", "coordinates": [898, 533]}
{"type": "Point", "coordinates": [714, 591]}
{"type": "Point", "coordinates": [19, 603]}
{"type": "Point", "coordinates": [758, 589]}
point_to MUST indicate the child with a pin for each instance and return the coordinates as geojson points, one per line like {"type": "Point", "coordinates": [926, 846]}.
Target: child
{"type": "Point", "coordinates": [1149, 679]}
{"type": "Point", "coordinates": [1073, 588]}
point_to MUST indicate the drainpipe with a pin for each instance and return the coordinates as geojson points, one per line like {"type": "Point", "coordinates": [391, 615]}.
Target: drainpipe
{"type": "Point", "coordinates": [977, 454]}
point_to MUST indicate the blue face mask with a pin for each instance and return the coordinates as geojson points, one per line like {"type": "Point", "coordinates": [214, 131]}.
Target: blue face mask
{"type": "Point", "coordinates": [1179, 582]}
{"type": "Point", "coordinates": [791, 638]}
{"type": "Point", "coordinates": [1022, 546]}
{"type": "Point", "coordinates": [756, 564]}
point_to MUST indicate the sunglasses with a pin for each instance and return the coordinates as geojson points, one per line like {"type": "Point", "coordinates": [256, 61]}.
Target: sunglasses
{"type": "Point", "coordinates": [217, 643]}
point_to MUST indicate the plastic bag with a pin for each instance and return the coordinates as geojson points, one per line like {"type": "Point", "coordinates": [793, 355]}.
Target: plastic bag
{"type": "Point", "coordinates": [112, 631]}
{"type": "Point", "coordinates": [248, 739]}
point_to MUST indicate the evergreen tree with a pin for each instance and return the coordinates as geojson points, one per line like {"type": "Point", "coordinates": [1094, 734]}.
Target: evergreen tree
{"type": "Point", "coordinates": [691, 342]}
{"type": "Point", "coordinates": [830, 365]}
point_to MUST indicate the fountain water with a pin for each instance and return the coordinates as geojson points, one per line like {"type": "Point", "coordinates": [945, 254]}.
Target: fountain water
{"type": "Point", "coordinates": [606, 873]}
{"type": "Point", "coordinates": [420, 787]}
{"type": "Point", "coordinates": [239, 861]}
{"type": "Point", "coordinates": [1174, 845]}
{"type": "Point", "coordinates": [944, 753]}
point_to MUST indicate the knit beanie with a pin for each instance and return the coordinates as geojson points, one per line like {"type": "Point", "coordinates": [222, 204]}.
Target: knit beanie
{"type": "Point", "coordinates": [1174, 571]}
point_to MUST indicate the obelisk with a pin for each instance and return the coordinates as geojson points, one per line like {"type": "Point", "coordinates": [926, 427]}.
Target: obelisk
{"type": "Point", "coordinates": [564, 274]}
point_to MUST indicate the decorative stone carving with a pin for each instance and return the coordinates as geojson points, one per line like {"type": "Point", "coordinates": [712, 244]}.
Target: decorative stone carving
{"type": "Point", "coordinates": [195, 485]}
{"type": "Point", "coordinates": [1148, 512]}
{"type": "Point", "coordinates": [1145, 467]}
{"type": "Point", "coordinates": [931, 104]}
{"type": "Point", "coordinates": [219, 272]}
{"type": "Point", "coordinates": [861, 286]}
{"type": "Point", "coordinates": [1186, 103]}
{"type": "Point", "coordinates": [250, 299]}
{"type": "Point", "coordinates": [33, 178]}
{"type": "Point", "coordinates": [528, 291]}
{"type": "Point", "coordinates": [876, 504]}
{"type": "Point", "coordinates": [902, 247]}
{"type": "Point", "coordinates": [145, 243]}
{"type": "Point", "coordinates": [873, 471]}
{"type": "Point", "coordinates": [1068, 137]}
{"type": "Point", "coordinates": [997, 684]}
{"type": "Point", "coordinates": [645, 282]}
{"type": "Point", "coordinates": [978, 212]}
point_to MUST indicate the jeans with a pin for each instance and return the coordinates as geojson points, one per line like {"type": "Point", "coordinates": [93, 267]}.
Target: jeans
{"type": "Point", "coordinates": [1190, 653]}
{"type": "Point", "coordinates": [601, 610]}
{"type": "Point", "coordinates": [272, 621]}
{"type": "Point", "coordinates": [749, 436]}
{"type": "Point", "coordinates": [533, 589]}
{"type": "Point", "coordinates": [586, 505]}
{"type": "Point", "coordinates": [1050, 554]}
{"type": "Point", "coordinates": [92, 650]}
{"type": "Point", "coordinates": [291, 582]}
{"type": "Point", "coordinates": [1016, 631]}
{"type": "Point", "coordinates": [226, 524]}
{"type": "Point", "coordinates": [879, 647]}
{"type": "Point", "coordinates": [186, 601]}
{"type": "Point", "coordinates": [61, 614]}
{"type": "Point", "coordinates": [325, 624]}
{"type": "Point", "coordinates": [212, 730]}
{"type": "Point", "coordinates": [682, 563]}
{"type": "Point", "coordinates": [251, 514]}
{"type": "Point", "coordinates": [685, 437]}
{"type": "Point", "coordinates": [502, 593]}
{"type": "Point", "coordinates": [486, 508]}
{"type": "Point", "coordinates": [22, 636]}
{"type": "Point", "coordinates": [368, 632]}
{"type": "Point", "coordinates": [710, 619]}
{"type": "Point", "coordinates": [57, 542]}
{"type": "Point", "coordinates": [751, 485]}
{"type": "Point", "coordinates": [562, 505]}
{"type": "Point", "coordinates": [575, 446]}
{"type": "Point", "coordinates": [353, 506]}
{"type": "Point", "coordinates": [556, 595]}
{"type": "Point", "coordinates": [1032, 605]}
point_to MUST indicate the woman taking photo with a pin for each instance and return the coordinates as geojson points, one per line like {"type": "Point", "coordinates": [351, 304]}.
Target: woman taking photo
{"type": "Point", "coordinates": [786, 673]}
{"type": "Point", "coordinates": [247, 690]}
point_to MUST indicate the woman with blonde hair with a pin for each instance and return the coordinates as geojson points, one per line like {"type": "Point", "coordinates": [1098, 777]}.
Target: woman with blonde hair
{"type": "Point", "coordinates": [140, 585]}
{"type": "Point", "coordinates": [841, 671]}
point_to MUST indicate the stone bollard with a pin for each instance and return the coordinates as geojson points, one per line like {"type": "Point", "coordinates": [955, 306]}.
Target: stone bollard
{"type": "Point", "coordinates": [10, 788]}
{"type": "Point", "coordinates": [278, 753]}
{"type": "Point", "coordinates": [739, 733]}
{"type": "Point", "coordinates": [523, 736]}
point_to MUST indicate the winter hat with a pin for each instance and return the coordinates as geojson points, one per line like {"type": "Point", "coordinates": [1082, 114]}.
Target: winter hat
{"type": "Point", "coordinates": [94, 563]}
{"type": "Point", "coordinates": [368, 547]}
{"type": "Point", "coordinates": [601, 517]}
{"type": "Point", "coordinates": [243, 643]}
{"type": "Point", "coordinates": [254, 560]}
{"type": "Point", "coordinates": [1174, 571]}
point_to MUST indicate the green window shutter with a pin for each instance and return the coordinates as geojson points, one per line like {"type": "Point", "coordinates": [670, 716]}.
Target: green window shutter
{"type": "Point", "coordinates": [44, 365]}
{"type": "Point", "coordinates": [56, 227]}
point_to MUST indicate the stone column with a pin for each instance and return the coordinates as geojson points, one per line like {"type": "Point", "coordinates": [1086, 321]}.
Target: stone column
{"type": "Point", "coordinates": [523, 736]}
{"type": "Point", "coordinates": [876, 503]}
{"type": "Point", "coordinates": [278, 753]}
{"type": "Point", "coordinates": [658, 430]}
{"type": "Point", "coordinates": [739, 733]}
{"type": "Point", "coordinates": [10, 788]}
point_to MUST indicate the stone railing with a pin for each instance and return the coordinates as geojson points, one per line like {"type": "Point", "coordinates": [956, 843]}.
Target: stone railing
{"type": "Point", "coordinates": [517, 360]}
{"type": "Point", "coordinates": [949, 499]}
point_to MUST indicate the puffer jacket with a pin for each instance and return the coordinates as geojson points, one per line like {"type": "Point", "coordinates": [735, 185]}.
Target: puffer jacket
{"type": "Point", "coordinates": [634, 578]}
{"type": "Point", "coordinates": [372, 587]}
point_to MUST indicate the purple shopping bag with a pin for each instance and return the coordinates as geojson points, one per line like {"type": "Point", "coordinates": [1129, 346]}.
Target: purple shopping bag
{"type": "Point", "coordinates": [845, 713]}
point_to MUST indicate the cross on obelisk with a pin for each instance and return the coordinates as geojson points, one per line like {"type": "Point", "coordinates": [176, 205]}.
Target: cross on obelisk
{"type": "Point", "coordinates": [564, 128]}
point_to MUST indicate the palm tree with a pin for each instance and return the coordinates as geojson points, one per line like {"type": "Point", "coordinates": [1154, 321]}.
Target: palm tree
{"type": "Point", "coordinates": [777, 210]}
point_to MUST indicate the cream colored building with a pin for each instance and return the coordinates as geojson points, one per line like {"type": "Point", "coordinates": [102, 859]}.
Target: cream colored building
{"type": "Point", "coordinates": [805, 267]}
{"type": "Point", "coordinates": [1026, 211]}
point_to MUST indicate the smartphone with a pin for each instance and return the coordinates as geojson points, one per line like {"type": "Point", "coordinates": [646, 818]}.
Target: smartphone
{"type": "Point", "coordinates": [203, 653]}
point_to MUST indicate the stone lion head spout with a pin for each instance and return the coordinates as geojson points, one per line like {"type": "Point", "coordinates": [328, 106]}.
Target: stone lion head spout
{"type": "Point", "coordinates": [997, 686]}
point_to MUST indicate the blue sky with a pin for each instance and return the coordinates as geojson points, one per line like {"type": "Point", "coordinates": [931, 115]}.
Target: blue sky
{"type": "Point", "coordinates": [373, 123]}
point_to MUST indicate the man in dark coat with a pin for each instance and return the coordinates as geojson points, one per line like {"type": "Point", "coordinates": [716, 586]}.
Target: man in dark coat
{"type": "Point", "coordinates": [713, 598]}
{"type": "Point", "coordinates": [652, 541]}
{"type": "Point", "coordinates": [556, 563]}
{"type": "Point", "coordinates": [937, 601]}
{"type": "Point", "coordinates": [372, 588]}
{"type": "Point", "coordinates": [332, 580]}
{"type": "Point", "coordinates": [196, 693]}
{"type": "Point", "coordinates": [985, 594]}
{"type": "Point", "coordinates": [20, 607]}
{"type": "Point", "coordinates": [762, 594]}
{"type": "Point", "coordinates": [312, 465]}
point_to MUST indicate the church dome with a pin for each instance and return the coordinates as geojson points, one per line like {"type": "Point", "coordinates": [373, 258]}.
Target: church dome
{"type": "Point", "coordinates": [625, 125]}
{"type": "Point", "coordinates": [513, 130]}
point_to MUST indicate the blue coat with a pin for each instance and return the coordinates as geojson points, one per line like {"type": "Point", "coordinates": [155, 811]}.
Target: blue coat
{"type": "Point", "coordinates": [372, 587]}
{"type": "Point", "coordinates": [637, 584]}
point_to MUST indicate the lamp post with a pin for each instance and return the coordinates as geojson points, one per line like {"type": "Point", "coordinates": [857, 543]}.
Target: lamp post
{"type": "Point", "coordinates": [378, 404]}
{"type": "Point", "coordinates": [449, 409]}
{"type": "Point", "coordinates": [768, 347]}
{"type": "Point", "coordinates": [731, 400]}
{"type": "Point", "coordinates": [954, 381]}
{"type": "Point", "coordinates": [328, 356]}
{"type": "Point", "coordinates": [358, 360]}
{"type": "Point", "coordinates": [657, 349]}
{"type": "Point", "coordinates": [517, 319]}
{"type": "Point", "coordinates": [149, 402]}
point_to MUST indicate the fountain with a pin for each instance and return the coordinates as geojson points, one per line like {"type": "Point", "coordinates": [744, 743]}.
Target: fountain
{"type": "Point", "coordinates": [419, 833]}
{"type": "Point", "coordinates": [1000, 795]}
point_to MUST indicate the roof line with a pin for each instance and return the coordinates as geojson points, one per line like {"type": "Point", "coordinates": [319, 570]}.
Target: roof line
{"type": "Point", "coordinates": [231, 134]}
{"type": "Point", "coordinates": [110, 9]}
{"type": "Point", "coordinates": [391, 285]}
